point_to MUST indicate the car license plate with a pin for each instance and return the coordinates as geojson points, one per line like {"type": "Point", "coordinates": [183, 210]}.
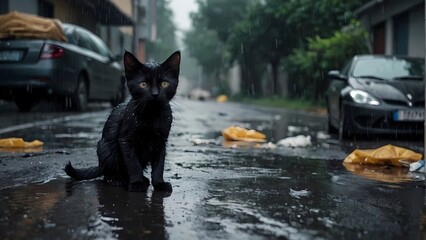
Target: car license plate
{"type": "Point", "coordinates": [409, 115]}
{"type": "Point", "coordinates": [11, 55]}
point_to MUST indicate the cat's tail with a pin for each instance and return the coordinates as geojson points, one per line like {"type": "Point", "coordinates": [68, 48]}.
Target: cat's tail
{"type": "Point", "coordinates": [82, 174]}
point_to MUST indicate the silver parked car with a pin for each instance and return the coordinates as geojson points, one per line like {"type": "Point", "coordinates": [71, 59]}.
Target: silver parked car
{"type": "Point", "coordinates": [73, 72]}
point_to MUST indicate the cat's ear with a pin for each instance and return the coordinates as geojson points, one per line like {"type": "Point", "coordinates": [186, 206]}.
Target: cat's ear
{"type": "Point", "coordinates": [173, 62]}
{"type": "Point", "coordinates": [131, 63]}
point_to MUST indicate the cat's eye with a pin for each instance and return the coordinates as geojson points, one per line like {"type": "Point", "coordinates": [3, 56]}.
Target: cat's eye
{"type": "Point", "coordinates": [164, 84]}
{"type": "Point", "coordinates": [143, 84]}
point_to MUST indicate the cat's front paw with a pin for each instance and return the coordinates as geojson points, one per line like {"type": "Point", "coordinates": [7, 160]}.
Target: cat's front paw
{"type": "Point", "coordinates": [138, 187]}
{"type": "Point", "coordinates": [163, 186]}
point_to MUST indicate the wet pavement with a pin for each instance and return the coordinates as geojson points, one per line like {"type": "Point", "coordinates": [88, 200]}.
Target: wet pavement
{"type": "Point", "coordinates": [220, 190]}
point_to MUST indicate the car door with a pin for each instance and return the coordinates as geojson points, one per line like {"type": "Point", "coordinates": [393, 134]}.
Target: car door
{"type": "Point", "coordinates": [94, 64]}
{"type": "Point", "coordinates": [334, 95]}
{"type": "Point", "coordinates": [111, 70]}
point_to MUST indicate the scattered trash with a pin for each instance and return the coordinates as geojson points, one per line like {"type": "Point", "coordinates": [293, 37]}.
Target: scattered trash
{"type": "Point", "coordinates": [268, 145]}
{"type": "Point", "coordinates": [383, 173]}
{"type": "Point", "coordinates": [240, 144]}
{"type": "Point", "coordinates": [385, 155]}
{"type": "Point", "coordinates": [19, 143]}
{"type": "Point", "coordinates": [222, 98]}
{"type": "Point", "coordinates": [199, 141]}
{"type": "Point", "coordinates": [417, 166]}
{"type": "Point", "coordinates": [236, 133]}
{"type": "Point", "coordinates": [297, 129]}
{"type": "Point", "coordinates": [297, 141]}
{"type": "Point", "coordinates": [322, 135]}
{"type": "Point", "coordinates": [298, 194]}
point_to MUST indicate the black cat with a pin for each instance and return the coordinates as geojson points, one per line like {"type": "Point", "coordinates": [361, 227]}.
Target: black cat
{"type": "Point", "coordinates": [136, 133]}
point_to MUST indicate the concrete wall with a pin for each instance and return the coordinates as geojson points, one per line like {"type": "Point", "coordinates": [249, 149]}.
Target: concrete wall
{"type": "Point", "coordinates": [416, 39]}
{"type": "Point", "coordinates": [384, 12]}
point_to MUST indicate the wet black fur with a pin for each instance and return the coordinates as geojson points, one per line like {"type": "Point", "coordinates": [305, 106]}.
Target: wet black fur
{"type": "Point", "coordinates": [135, 134]}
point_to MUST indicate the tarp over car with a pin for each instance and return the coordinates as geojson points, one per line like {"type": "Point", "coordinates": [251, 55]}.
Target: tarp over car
{"type": "Point", "coordinates": [26, 26]}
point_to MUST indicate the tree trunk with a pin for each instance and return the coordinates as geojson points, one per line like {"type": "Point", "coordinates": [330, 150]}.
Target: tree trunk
{"type": "Point", "coordinates": [274, 66]}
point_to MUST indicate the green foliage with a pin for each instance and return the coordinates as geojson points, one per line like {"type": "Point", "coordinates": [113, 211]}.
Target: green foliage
{"type": "Point", "coordinates": [308, 68]}
{"type": "Point", "coordinates": [261, 33]}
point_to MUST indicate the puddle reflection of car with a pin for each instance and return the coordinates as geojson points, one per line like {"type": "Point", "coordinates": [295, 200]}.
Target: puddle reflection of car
{"type": "Point", "coordinates": [376, 94]}
{"type": "Point", "coordinates": [73, 72]}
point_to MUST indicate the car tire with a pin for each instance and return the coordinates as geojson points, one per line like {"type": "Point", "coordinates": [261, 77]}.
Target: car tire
{"type": "Point", "coordinates": [344, 131]}
{"type": "Point", "coordinates": [24, 103]}
{"type": "Point", "coordinates": [120, 95]}
{"type": "Point", "coordinates": [80, 97]}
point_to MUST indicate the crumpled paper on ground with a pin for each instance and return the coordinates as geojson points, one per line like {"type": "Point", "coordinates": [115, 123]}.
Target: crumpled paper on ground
{"type": "Point", "coordinates": [19, 143]}
{"type": "Point", "coordinates": [236, 133]}
{"type": "Point", "coordinates": [385, 155]}
{"type": "Point", "coordinates": [297, 141]}
{"type": "Point", "coordinates": [382, 173]}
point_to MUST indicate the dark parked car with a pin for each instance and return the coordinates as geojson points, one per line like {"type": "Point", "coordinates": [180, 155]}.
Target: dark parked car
{"type": "Point", "coordinates": [73, 72]}
{"type": "Point", "coordinates": [377, 94]}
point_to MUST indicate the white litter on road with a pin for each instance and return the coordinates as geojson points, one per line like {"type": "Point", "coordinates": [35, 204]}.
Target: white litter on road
{"type": "Point", "coordinates": [297, 141]}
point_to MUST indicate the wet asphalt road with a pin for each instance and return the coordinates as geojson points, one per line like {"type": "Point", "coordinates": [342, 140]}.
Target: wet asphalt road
{"type": "Point", "coordinates": [220, 190]}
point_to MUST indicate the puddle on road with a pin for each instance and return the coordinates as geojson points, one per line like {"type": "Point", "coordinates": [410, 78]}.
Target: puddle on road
{"type": "Point", "coordinates": [63, 209]}
{"type": "Point", "coordinates": [230, 195]}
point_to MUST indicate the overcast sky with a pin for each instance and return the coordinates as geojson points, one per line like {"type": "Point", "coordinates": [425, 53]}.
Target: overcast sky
{"type": "Point", "coordinates": [181, 9]}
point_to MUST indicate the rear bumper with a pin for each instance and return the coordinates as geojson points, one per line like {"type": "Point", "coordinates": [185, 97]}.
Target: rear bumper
{"type": "Point", "coordinates": [370, 120]}
{"type": "Point", "coordinates": [41, 78]}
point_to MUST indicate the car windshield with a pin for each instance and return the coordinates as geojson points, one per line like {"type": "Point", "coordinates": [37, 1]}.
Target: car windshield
{"type": "Point", "coordinates": [390, 68]}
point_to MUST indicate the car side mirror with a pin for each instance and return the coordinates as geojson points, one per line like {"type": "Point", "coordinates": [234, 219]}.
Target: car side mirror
{"type": "Point", "coordinates": [335, 74]}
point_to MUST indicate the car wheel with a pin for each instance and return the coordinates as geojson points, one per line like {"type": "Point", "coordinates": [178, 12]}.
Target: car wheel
{"type": "Point", "coordinates": [24, 103]}
{"type": "Point", "coordinates": [120, 95]}
{"type": "Point", "coordinates": [344, 131]}
{"type": "Point", "coordinates": [80, 97]}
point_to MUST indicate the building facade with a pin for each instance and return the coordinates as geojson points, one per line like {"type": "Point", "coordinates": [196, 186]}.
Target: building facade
{"type": "Point", "coordinates": [396, 26]}
{"type": "Point", "coordinates": [111, 20]}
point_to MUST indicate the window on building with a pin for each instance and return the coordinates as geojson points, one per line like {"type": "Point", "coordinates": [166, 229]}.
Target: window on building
{"type": "Point", "coordinates": [379, 38]}
{"type": "Point", "coordinates": [45, 9]}
{"type": "Point", "coordinates": [400, 34]}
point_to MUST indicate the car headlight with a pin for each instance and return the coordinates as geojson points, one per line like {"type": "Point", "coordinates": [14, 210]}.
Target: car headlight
{"type": "Point", "coordinates": [362, 97]}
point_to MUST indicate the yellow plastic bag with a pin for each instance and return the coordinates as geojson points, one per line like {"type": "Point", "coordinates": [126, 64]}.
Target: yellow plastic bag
{"type": "Point", "coordinates": [380, 173]}
{"type": "Point", "coordinates": [385, 155]}
{"type": "Point", "coordinates": [222, 98]}
{"type": "Point", "coordinates": [19, 143]}
{"type": "Point", "coordinates": [236, 133]}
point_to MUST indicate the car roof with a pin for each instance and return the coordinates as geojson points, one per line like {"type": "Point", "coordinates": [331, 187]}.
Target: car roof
{"type": "Point", "coordinates": [68, 26]}
{"type": "Point", "coordinates": [371, 56]}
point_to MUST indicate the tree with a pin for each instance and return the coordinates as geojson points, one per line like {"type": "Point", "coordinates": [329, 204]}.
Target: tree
{"type": "Point", "coordinates": [165, 43]}
{"type": "Point", "coordinates": [206, 41]}
{"type": "Point", "coordinates": [308, 68]}
{"type": "Point", "coordinates": [267, 36]}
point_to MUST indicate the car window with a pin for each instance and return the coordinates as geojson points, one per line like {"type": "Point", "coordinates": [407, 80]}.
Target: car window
{"type": "Point", "coordinates": [69, 33]}
{"type": "Point", "coordinates": [389, 68]}
{"type": "Point", "coordinates": [84, 41]}
{"type": "Point", "coordinates": [100, 46]}
{"type": "Point", "coordinates": [345, 69]}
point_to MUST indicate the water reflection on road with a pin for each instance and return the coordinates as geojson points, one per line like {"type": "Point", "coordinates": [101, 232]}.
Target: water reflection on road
{"type": "Point", "coordinates": [234, 196]}
{"type": "Point", "coordinates": [219, 193]}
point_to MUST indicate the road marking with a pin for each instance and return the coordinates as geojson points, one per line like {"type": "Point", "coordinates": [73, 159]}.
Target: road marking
{"type": "Point", "coordinates": [47, 122]}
